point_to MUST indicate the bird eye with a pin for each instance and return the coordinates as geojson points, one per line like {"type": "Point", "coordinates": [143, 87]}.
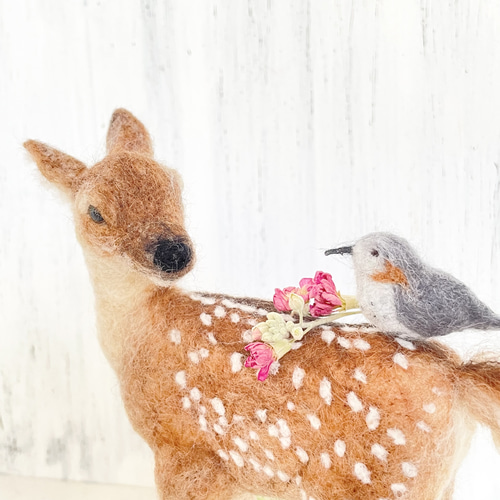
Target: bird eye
{"type": "Point", "coordinates": [374, 252]}
{"type": "Point", "coordinates": [95, 215]}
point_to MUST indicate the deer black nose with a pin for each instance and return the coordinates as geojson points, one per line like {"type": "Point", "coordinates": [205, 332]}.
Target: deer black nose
{"type": "Point", "coordinates": [172, 255]}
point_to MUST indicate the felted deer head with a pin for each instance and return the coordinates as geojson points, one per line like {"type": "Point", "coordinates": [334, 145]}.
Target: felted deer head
{"type": "Point", "coordinates": [351, 414]}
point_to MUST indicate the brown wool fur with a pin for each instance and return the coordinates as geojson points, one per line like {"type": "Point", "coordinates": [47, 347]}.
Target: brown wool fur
{"type": "Point", "coordinates": [351, 413]}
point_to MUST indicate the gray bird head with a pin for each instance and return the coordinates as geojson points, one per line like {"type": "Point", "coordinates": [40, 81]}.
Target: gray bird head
{"type": "Point", "coordinates": [375, 253]}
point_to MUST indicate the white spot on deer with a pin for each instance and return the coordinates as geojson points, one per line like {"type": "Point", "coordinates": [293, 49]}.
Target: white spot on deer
{"type": "Point", "coordinates": [268, 471]}
{"type": "Point", "coordinates": [203, 423]}
{"type": "Point", "coordinates": [296, 345]}
{"type": "Point", "coordinates": [219, 312]}
{"type": "Point", "coordinates": [202, 410]}
{"type": "Point", "coordinates": [362, 473]}
{"type": "Point", "coordinates": [343, 342]}
{"type": "Point", "coordinates": [208, 301]}
{"type": "Point", "coordinates": [314, 421]}
{"type": "Point", "coordinates": [204, 353]}
{"type": "Point", "coordinates": [405, 343]}
{"type": "Point", "coordinates": [380, 452]}
{"type": "Point", "coordinates": [223, 455]}
{"type": "Point", "coordinates": [397, 436]}
{"type": "Point", "coordinates": [253, 436]}
{"type": "Point", "coordinates": [237, 458]}
{"type": "Point", "coordinates": [400, 359]}
{"type": "Point", "coordinates": [373, 418]}
{"type": "Point", "coordinates": [237, 419]}
{"type": "Point", "coordinates": [269, 454]}
{"type": "Point", "coordinates": [409, 469]}
{"type": "Point", "coordinates": [283, 428]}
{"type": "Point", "coordinates": [354, 402]}
{"type": "Point", "coordinates": [290, 405]}
{"type": "Point", "coordinates": [273, 431]}
{"type": "Point", "coordinates": [247, 336]}
{"type": "Point", "coordinates": [219, 430]}
{"type": "Point", "coordinates": [282, 476]}
{"type": "Point", "coordinates": [303, 495]}
{"type": "Point", "coordinates": [262, 312]}
{"type": "Point", "coordinates": [195, 394]}
{"type": "Point", "coordinates": [246, 308]}
{"type": "Point", "coordinates": [180, 379]}
{"type": "Point", "coordinates": [251, 321]}
{"type": "Point", "coordinates": [399, 489]}
{"type": "Point", "coordinates": [298, 480]}
{"type": "Point", "coordinates": [327, 336]}
{"type": "Point", "coordinates": [298, 377]}
{"type": "Point", "coordinates": [437, 391]}
{"type": "Point", "coordinates": [211, 338]}
{"type": "Point", "coordinates": [236, 364]}
{"type": "Point", "coordinates": [223, 421]}
{"type": "Point", "coordinates": [301, 453]}
{"type": "Point", "coordinates": [285, 442]}
{"type": "Point", "coordinates": [241, 444]}
{"type": "Point", "coordinates": [430, 408]}
{"type": "Point", "coordinates": [235, 317]}
{"type": "Point", "coordinates": [326, 461]}
{"type": "Point", "coordinates": [359, 376]}
{"type": "Point", "coordinates": [361, 344]}
{"type": "Point", "coordinates": [229, 303]}
{"type": "Point", "coordinates": [206, 319]}
{"type": "Point", "coordinates": [186, 403]}
{"type": "Point", "coordinates": [261, 415]}
{"type": "Point", "coordinates": [218, 406]}
{"type": "Point", "coordinates": [257, 467]}
{"type": "Point", "coordinates": [325, 391]}
{"type": "Point", "coordinates": [194, 357]}
{"type": "Point", "coordinates": [423, 426]}
{"type": "Point", "coordinates": [339, 448]}
{"type": "Point", "coordinates": [175, 336]}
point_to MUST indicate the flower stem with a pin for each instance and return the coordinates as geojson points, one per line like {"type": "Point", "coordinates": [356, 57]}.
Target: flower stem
{"type": "Point", "coordinates": [328, 319]}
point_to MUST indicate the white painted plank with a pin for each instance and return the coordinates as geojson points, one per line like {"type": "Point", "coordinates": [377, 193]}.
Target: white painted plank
{"type": "Point", "coordinates": [296, 125]}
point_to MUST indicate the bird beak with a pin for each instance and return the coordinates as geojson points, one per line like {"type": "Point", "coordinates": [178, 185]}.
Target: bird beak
{"type": "Point", "coordinates": [339, 250]}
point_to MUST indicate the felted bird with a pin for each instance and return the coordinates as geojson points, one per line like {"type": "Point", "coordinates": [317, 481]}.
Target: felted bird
{"type": "Point", "coordinates": [400, 294]}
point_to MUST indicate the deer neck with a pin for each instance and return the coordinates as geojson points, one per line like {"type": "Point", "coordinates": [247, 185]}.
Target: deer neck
{"type": "Point", "coordinates": [120, 293]}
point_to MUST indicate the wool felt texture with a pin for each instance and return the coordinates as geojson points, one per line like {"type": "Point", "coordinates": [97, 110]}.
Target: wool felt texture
{"type": "Point", "coordinates": [399, 293]}
{"type": "Point", "coordinates": [352, 413]}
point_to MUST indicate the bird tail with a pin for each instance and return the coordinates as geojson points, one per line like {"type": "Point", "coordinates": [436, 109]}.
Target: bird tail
{"type": "Point", "coordinates": [479, 391]}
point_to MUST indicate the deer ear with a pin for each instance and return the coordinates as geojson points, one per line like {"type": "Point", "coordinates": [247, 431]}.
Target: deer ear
{"type": "Point", "coordinates": [127, 133]}
{"type": "Point", "coordinates": [57, 167]}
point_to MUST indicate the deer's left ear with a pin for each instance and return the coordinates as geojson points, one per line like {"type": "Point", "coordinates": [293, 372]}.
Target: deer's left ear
{"type": "Point", "coordinates": [57, 167]}
{"type": "Point", "coordinates": [127, 133]}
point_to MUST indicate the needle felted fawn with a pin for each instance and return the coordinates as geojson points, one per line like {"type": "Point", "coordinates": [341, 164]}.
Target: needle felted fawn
{"type": "Point", "coordinates": [351, 414]}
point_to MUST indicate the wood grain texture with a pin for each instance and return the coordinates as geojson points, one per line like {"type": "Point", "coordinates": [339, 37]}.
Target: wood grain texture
{"type": "Point", "coordinates": [296, 125]}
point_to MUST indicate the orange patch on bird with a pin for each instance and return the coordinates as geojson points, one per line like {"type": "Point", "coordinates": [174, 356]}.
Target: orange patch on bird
{"type": "Point", "coordinates": [391, 274]}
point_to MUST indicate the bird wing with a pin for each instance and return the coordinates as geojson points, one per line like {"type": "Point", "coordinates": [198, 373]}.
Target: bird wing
{"type": "Point", "coordinates": [438, 304]}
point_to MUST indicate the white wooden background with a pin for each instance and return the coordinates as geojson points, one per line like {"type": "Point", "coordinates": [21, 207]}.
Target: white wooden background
{"type": "Point", "coordinates": [297, 125]}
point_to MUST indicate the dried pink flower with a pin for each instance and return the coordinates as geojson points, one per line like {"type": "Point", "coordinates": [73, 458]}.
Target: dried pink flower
{"type": "Point", "coordinates": [281, 298]}
{"type": "Point", "coordinates": [322, 290]}
{"type": "Point", "coordinates": [261, 357]}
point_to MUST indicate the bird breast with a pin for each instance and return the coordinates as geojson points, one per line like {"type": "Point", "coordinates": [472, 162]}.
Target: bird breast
{"type": "Point", "coordinates": [377, 301]}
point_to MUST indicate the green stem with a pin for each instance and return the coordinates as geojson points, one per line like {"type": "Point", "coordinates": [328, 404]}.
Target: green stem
{"type": "Point", "coordinates": [328, 319]}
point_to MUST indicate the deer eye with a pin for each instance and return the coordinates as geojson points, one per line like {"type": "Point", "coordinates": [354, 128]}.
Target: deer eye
{"type": "Point", "coordinates": [95, 215]}
{"type": "Point", "coordinates": [374, 252]}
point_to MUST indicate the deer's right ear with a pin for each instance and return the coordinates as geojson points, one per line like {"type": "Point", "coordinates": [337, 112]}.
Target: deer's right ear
{"type": "Point", "coordinates": [57, 167]}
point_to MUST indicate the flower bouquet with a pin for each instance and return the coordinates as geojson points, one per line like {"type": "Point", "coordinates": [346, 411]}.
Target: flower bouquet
{"type": "Point", "coordinates": [314, 298]}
